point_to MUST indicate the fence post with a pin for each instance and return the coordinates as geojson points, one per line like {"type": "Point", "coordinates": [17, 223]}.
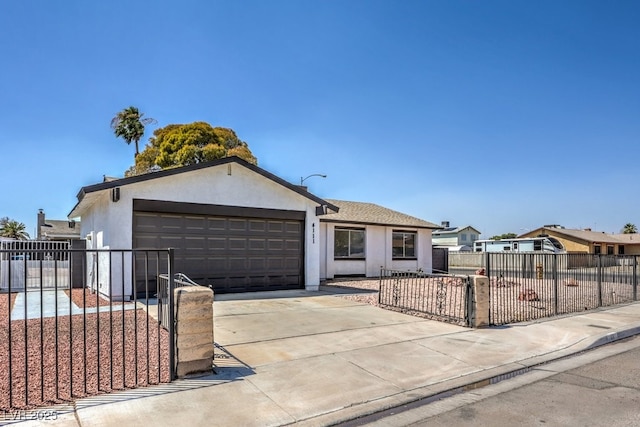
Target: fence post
{"type": "Point", "coordinates": [555, 282]}
{"type": "Point", "coordinates": [487, 264]}
{"type": "Point", "coordinates": [635, 278]}
{"type": "Point", "coordinates": [170, 306]}
{"type": "Point", "coordinates": [479, 315]}
{"type": "Point", "coordinates": [599, 279]}
{"type": "Point", "coordinates": [194, 330]}
{"type": "Point", "coordinates": [380, 285]}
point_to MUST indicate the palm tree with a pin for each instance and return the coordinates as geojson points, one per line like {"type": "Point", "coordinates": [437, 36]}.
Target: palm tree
{"type": "Point", "coordinates": [129, 125]}
{"type": "Point", "coordinates": [629, 229]}
{"type": "Point", "coordinates": [13, 229]}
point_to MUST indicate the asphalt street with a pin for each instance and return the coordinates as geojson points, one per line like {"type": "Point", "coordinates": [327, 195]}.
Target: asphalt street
{"type": "Point", "coordinates": [600, 387]}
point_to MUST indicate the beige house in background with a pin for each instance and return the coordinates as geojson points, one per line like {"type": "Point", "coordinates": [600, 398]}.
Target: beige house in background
{"type": "Point", "coordinates": [590, 242]}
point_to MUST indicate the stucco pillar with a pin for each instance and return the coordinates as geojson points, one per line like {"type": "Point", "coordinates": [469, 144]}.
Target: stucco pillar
{"type": "Point", "coordinates": [480, 301]}
{"type": "Point", "coordinates": [194, 330]}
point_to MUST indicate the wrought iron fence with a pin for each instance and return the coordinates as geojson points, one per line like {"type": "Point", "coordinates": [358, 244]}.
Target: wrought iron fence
{"type": "Point", "coordinates": [441, 297]}
{"type": "Point", "coordinates": [59, 342]}
{"type": "Point", "coordinates": [529, 286]}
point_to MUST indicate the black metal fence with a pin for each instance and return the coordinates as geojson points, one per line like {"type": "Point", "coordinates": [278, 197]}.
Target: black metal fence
{"type": "Point", "coordinates": [59, 342]}
{"type": "Point", "coordinates": [441, 297]}
{"type": "Point", "coordinates": [528, 286]}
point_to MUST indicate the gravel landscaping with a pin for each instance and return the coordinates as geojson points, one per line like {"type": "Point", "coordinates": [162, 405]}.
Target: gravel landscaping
{"type": "Point", "coordinates": [66, 357]}
{"type": "Point", "coordinates": [84, 297]}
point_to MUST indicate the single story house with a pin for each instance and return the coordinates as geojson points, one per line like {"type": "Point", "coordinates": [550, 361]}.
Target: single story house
{"type": "Point", "coordinates": [360, 238]}
{"type": "Point", "coordinates": [234, 226]}
{"type": "Point", "coordinates": [239, 228]}
{"type": "Point", "coordinates": [590, 242]}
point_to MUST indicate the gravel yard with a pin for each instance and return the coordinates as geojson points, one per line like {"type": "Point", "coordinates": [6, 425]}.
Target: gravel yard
{"type": "Point", "coordinates": [83, 297]}
{"type": "Point", "coordinates": [88, 353]}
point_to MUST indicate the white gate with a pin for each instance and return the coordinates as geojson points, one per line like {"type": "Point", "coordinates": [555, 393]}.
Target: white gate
{"type": "Point", "coordinates": [33, 264]}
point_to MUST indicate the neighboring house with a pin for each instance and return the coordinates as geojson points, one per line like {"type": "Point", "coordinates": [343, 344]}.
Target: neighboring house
{"type": "Point", "coordinates": [629, 243]}
{"type": "Point", "coordinates": [56, 230]}
{"type": "Point", "coordinates": [458, 239]}
{"type": "Point", "coordinates": [361, 238]}
{"type": "Point", "coordinates": [235, 226]}
{"type": "Point", "coordinates": [588, 241]}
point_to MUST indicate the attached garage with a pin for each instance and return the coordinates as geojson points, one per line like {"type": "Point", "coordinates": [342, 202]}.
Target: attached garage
{"type": "Point", "coordinates": [233, 249]}
{"type": "Point", "coordinates": [232, 225]}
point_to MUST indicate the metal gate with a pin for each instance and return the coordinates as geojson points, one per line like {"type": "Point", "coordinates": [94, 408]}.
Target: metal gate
{"type": "Point", "coordinates": [32, 264]}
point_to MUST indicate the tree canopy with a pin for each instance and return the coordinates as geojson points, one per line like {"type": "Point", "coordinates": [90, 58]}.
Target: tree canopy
{"type": "Point", "coordinates": [629, 228]}
{"type": "Point", "coordinates": [186, 144]}
{"type": "Point", "coordinates": [129, 125]}
{"type": "Point", "coordinates": [504, 236]}
{"type": "Point", "coordinates": [13, 229]}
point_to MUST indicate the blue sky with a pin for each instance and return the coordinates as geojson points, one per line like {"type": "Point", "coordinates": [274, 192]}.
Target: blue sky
{"type": "Point", "coordinates": [505, 115]}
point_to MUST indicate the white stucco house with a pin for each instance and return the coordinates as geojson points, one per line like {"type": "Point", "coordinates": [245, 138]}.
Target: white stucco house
{"type": "Point", "coordinates": [258, 231]}
{"type": "Point", "coordinates": [361, 238]}
{"type": "Point", "coordinates": [238, 228]}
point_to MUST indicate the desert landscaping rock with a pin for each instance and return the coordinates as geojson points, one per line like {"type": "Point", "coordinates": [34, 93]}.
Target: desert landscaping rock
{"type": "Point", "coordinates": [57, 359]}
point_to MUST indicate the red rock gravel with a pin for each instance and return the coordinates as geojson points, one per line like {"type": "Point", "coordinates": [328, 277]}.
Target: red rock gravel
{"type": "Point", "coordinates": [84, 297]}
{"type": "Point", "coordinates": [65, 353]}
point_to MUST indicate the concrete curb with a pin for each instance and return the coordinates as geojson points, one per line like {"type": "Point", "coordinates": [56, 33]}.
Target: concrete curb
{"type": "Point", "coordinates": [467, 382]}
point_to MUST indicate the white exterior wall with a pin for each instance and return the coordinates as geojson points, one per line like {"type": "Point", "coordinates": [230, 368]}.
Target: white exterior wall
{"type": "Point", "coordinates": [228, 184]}
{"type": "Point", "coordinates": [378, 252]}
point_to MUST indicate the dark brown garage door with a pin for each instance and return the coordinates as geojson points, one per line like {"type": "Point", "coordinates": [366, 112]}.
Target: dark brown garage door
{"type": "Point", "coordinates": [232, 253]}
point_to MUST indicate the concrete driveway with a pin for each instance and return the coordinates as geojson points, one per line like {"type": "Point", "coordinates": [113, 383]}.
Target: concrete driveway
{"type": "Point", "coordinates": [318, 359]}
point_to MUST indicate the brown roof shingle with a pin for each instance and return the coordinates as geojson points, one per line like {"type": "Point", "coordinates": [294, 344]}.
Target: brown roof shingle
{"type": "Point", "coordinates": [370, 213]}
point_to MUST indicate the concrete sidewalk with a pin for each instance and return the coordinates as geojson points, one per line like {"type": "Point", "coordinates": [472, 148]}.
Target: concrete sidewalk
{"type": "Point", "coordinates": [318, 359]}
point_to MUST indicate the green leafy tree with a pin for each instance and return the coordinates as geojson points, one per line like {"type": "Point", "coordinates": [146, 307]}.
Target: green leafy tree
{"type": "Point", "coordinates": [504, 236]}
{"type": "Point", "coordinates": [186, 144]}
{"type": "Point", "coordinates": [12, 229]}
{"type": "Point", "coordinates": [129, 125]}
{"type": "Point", "coordinates": [629, 229]}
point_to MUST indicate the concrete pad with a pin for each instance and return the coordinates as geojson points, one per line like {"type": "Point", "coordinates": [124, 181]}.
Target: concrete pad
{"type": "Point", "coordinates": [299, 347]}
{"type": "Point", "coordinates": [264, 326]}
{"type": "Point", "coordinates": [310, 387]}
{"type": "Point", "coordinates": [236, 403]}
{"type": "Point", "coordinates": [408, 365]}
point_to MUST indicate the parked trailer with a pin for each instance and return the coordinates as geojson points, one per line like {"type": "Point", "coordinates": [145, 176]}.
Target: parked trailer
{"type": "Point", "coordinates": [530, 244]}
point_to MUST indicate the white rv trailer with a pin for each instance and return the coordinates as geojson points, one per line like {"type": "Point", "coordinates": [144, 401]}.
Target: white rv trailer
{"type": "Point", "coordinates": [525, 244]}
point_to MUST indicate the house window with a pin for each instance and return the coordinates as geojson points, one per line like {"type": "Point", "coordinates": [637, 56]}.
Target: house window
{"type": "Point", "coordinates": [620, 249]}
{"type": "Point", "coordinates": [349, 243]}
{"type": "Point", "coordinates": [609, 249]}
{"type": "Point", "coordinates": [596, 249]}
{"type": "Point", "coordinates": [404, 245]}
{"type": "Point", "coordinates": [463, 237]}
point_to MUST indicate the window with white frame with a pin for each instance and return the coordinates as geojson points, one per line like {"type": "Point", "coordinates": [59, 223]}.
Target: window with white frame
{"type": "Point", "coordinates": [404, 245]}
{"type": "Point", "coordinates": [349, 243]}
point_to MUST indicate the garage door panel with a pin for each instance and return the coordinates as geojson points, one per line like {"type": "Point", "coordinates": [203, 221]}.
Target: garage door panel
{"type": "Point", "coordinates": [236, 244]}
{"type": "Point", "coordinates": [237, 224]}
{"type": "Point", "coordinates": [214, 243]}
{"type": "Point", "coordinates": [233, 254]}
{"type": "Point", "coordinates": [275, 245]}
{"type": "Point", "coordinates": [257, 244]}
{"type": "Point", "coordinates": [257, 226]}
{"type": "Point", "coordinates": [257, 264]}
